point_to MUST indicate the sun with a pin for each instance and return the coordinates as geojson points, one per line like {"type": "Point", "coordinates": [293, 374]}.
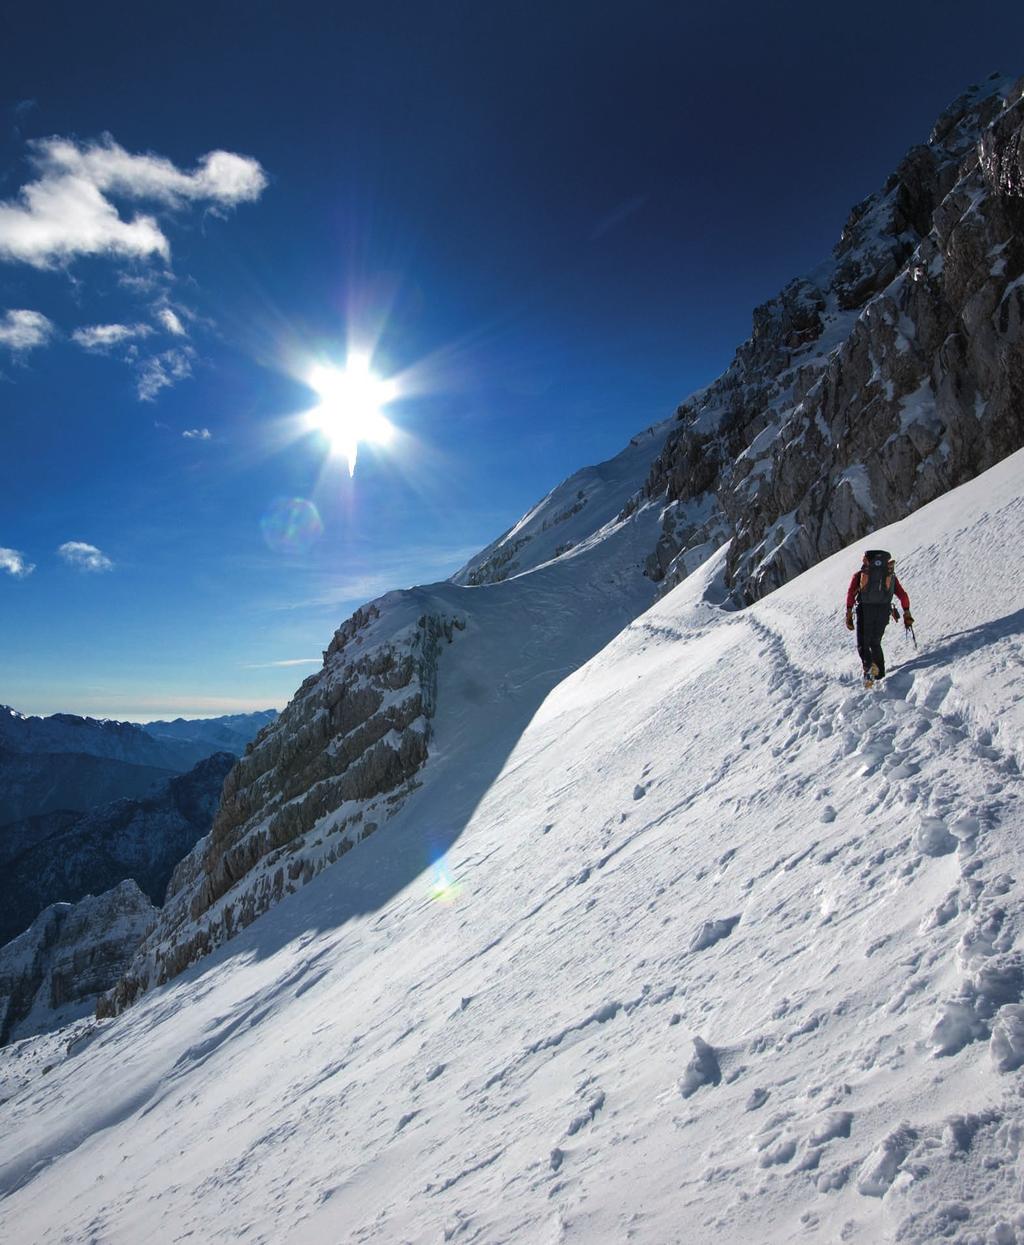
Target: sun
{"type": "Point", "coordinates": [351, 399]}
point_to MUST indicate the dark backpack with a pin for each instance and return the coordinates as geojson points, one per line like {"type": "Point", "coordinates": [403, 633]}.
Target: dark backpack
{"type": "Point", "coordinates": [877, 578]}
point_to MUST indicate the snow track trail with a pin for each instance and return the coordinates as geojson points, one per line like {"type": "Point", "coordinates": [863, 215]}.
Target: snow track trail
{"type": "Point", "coordinates": [729, 952]}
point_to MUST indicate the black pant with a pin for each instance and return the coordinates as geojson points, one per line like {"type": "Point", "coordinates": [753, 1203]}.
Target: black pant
{"type": "Point", "coordinates": [872, 621]}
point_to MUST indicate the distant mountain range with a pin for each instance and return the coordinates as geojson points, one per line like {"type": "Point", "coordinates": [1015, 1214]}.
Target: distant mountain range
{"type": "Point", "coordinates": [61, 856]}
{"type": "Point", "coordinates": [229, 733]}
{"type": "Point", "coordinates": [67, 762]}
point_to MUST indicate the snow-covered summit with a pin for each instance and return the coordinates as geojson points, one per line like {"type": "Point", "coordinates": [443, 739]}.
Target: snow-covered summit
{"type": "Point", "coordinates": [574, 514]}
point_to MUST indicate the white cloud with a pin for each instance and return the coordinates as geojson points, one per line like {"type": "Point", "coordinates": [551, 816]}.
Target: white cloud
{"type": "Point", "coordinates": [142, 283]}
{"type": "Point", "coordinates": [171, 322]}
{"type": "Point", "coordinates": [66, 211]}
{"type": "Point", "coordinates": [84, 556]}
{"type": "Point", "coordinates": [25, 330]}
{"type": "Point", "coordinates": [289, 661]}
{"type": "Point", "coordinates": [198, 434]}
{"type": "Point", "coordinates": [104, 336]}
{"type": "Point", "coordinates": [14, 563]}
{"type": "Point", "coordinates": [164, 370]}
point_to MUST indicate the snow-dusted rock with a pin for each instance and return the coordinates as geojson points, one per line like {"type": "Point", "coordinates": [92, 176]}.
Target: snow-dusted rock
{"type": "Point", "coordinates": [888, 375]}
{"type": "Point", "coordinates": [55, 971]}
{"type": "Point", "coordinates": [324, 776]}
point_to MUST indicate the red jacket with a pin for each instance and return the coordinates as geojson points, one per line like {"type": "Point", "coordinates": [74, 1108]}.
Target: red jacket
{"type": "Point", "coordinates": [854, 589]}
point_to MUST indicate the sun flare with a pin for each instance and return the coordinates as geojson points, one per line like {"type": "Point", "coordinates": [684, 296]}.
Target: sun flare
{"type": "Point", "coordinates": [350, 410]}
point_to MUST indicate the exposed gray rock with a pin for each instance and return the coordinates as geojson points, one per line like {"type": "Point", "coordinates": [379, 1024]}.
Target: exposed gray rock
{"type": "Point", "coordinates": [325, 775]}
{"type": "Point", "coordinates": [54, 972]}
{"type": "Point", "coordinates": [889, 375]}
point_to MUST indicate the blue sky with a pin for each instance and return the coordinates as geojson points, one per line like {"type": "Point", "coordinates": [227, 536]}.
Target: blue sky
{"type": "Point", "coordinates": [550, 223]}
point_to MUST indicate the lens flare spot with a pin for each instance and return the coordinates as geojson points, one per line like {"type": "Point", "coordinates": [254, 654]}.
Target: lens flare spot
{"type": "Point", "coordinates": [292, 525]}
{"type": "Point", "coordinates": [443, 888]}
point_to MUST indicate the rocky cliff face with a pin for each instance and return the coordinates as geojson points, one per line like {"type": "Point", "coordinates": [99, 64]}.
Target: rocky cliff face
{"type": "Point", "coordinates": [889, 375]}
{"type": "Point", "coordinates": [54, 972]}
{"type": "Point", "coordinates": [63, 856]}
{"type": "Point", "coordinates": [336, 764]}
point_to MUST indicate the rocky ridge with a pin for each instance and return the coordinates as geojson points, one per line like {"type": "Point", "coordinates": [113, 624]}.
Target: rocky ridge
{"type": "Point", "coordinates": [886, 377]}
{"type": "Point", "coordinates": [53, 973]}
{"type": "Point", "coordinates": [336, 764]}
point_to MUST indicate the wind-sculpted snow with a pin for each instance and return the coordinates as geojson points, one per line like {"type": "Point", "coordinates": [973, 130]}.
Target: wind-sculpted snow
{"type": "Point", "coordinates": [890, 374]}
{"type": "Point", "coordinates": [572, 517]}
{"type": "Point", "coordinates": [500, 1042]}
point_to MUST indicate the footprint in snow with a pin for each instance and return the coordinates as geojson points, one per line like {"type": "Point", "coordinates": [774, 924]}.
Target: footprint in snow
{"type": "Point", "coordinates": [703, 1069]}
{"type": "Point", "coordinates": [713, 931]}
{"type": "Point", "coordinates": [932, 838]}
{"type": "Point", "coordinates": [639, 791]}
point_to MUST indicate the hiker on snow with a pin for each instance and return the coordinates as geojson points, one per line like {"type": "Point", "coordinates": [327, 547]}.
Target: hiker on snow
{"type": "Point", "coordinates": [872, 588]}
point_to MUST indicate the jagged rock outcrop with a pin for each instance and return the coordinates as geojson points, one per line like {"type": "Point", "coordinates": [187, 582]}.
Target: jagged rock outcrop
{"type": "Point", "coordinates": [63, 856]}
{"type": "Point", "coordinates": [889, 375]}
{"type": "Point", "coordinates": [54, 972]}
{"type": "Point", "coordinates": [333, 767]}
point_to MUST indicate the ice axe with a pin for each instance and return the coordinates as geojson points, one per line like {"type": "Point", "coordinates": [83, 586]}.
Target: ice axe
{"type": "Point", "coordinates": [907, 626]}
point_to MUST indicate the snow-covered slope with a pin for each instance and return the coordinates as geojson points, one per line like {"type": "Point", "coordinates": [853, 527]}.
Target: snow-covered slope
{"type": "Point", "coordinates": [574, 516]}
{"type": "Point", "coordinates": [725, 950]}
{"type": "Point", "coordinates": [890, 374]}
{"type": "Point", "coordinates": [426, 689]}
